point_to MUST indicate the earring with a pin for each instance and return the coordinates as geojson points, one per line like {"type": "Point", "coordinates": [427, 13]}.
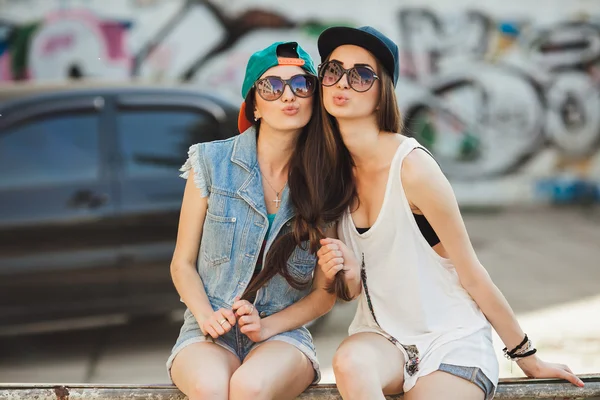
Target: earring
{"type": "Point", "coordinates": [255, 119]}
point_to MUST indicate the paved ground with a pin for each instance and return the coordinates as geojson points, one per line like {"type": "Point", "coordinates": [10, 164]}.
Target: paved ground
{"type": "Point", "coordinates": [547, 263]}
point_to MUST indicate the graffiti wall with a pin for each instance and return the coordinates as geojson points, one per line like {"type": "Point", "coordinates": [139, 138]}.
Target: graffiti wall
{"type": "Point", "coordinates": [507, 96]}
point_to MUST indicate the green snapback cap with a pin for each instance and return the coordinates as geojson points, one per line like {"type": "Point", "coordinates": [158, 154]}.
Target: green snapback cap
{"type": "Point", "coordinates": [279, 53]}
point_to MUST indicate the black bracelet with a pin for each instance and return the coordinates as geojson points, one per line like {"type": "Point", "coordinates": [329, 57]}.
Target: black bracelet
{"type": "Point", "coordinates": [529, 353]}
{"type": "Point", "coordinates": [513, 351]}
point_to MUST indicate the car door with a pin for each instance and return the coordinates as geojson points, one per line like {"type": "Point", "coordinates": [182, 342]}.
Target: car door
{"type": "Point", "coordinates": [154, 132]}
{"type": "Point", "coordinates": [57, 214]}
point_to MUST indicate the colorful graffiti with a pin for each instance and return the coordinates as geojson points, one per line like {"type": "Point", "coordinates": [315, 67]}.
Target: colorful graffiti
{"type": "Point", "coordinates": [66, 44]}
{"type": "Point", "coordinates": [502, 92]}
{"type": "Point", "coordinates": [501, 101]}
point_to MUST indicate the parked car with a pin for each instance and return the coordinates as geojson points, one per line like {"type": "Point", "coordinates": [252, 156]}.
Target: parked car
{"type": "Point", "coordinates": [90, 195]}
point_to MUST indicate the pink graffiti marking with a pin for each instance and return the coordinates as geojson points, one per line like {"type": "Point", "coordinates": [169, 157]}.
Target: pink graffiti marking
{"type": "Point", "coordinates": [111, 33]}
{"type": "Point", "coordinates": [56, 43]}
{"type": "Point", "coordinates": [5, 67]}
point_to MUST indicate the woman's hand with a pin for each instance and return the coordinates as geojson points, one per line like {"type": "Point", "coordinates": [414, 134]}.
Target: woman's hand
{"type": "Point", "coordinates": [335, 256]}
{"type": "Point", "coordinates": [534, 367]}
{"type": "Point", "coordinates": [218, 323]}
{"type": "Point", "coordinates": [249, 321]}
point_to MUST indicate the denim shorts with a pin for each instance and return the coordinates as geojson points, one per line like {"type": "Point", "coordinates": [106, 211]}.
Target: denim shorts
{"type": "Point", "coordinates": [239, 344]}
{"type": "Point", "coordinates": [472, 374]}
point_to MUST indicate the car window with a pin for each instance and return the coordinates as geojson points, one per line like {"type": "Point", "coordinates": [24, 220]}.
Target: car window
{"type": "Point", "coordinates": [50, 149]}
{"type": "Point", "coordinates": [156, 141]}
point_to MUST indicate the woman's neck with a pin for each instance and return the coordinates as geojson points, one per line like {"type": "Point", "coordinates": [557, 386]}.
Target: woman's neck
{"type": "Point", "coordinates": [274, 149]}
{"type": "Point", "coordinates": [362, 138]}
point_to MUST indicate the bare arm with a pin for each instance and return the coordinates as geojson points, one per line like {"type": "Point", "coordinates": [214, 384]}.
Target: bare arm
{"type": "Point", "coordinates": [317, 303]}
{"type": "Point", "coordinates": [428, 189]}
{"type": "Point", "coordinates": [183, 266]}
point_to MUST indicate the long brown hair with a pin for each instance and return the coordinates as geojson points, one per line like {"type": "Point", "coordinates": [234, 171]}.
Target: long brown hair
{"type": "Point", "coordinates": [388, 120]}
{"type": "Point", "coordinates": [321, 185]}
{"type": "Point", "coordinates": [310, 170]}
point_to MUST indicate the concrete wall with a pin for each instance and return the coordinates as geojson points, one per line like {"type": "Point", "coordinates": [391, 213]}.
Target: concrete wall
{"type": "Point", "coordinates": [505, 92]}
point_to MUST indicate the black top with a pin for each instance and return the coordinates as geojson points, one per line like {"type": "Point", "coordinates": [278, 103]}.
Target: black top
{"type": "Point", "coordinates": [424, 226]}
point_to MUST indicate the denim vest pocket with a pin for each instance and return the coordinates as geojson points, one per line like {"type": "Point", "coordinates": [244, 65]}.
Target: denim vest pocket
{"type": "Point", "coordinates": [217, 250]}
{"type": "Point", "coordinates": [301, 263]}
{"type": "Point", "coordinates": [301, 255]}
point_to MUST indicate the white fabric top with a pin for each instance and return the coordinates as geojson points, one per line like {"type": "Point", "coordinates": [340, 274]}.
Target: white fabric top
{"type": "Point", "coordinates": [416, 295]}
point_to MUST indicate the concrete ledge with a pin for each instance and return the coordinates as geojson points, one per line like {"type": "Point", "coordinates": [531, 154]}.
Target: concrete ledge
{"type": "Point", "coordinates": [507, 389]}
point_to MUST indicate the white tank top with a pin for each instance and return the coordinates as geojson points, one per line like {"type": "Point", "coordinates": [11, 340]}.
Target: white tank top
{"type": "Point", "coordinates": [416, 297]}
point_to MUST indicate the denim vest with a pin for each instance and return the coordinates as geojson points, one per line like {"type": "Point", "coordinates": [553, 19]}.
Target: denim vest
{"type": "Point", "coordinates": [236, 225]}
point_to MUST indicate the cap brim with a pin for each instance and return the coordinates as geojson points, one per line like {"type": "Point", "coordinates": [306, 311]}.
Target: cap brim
{"type": "Point", "coordinates": [337, 36]}
{"type": "Point", "coordinates": [243, 123]}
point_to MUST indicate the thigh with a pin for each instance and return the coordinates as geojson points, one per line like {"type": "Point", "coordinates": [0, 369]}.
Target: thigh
{"type": "Point", "coordinates": [203, 365]}
{"type": "Point", "coordinates": [277, 367]}
{"type": "Point", "coordinates": [374, 353]}
{"type": "Point", "coordinates": [442, 385]}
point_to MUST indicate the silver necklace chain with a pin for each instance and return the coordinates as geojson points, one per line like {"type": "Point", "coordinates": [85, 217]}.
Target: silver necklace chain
{"type": "Point", "coordinates": [277, 200]}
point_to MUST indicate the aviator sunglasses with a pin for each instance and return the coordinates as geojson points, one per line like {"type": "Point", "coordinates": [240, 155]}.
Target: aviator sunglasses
{"type": "Point", "coordinates": [271, 88]}
{"type": "Point", "coordinates": [360, 77]}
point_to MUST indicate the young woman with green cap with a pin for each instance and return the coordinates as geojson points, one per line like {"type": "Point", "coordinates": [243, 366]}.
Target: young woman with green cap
{"type": "Point", "coordinates": [425, 303]}
{"type": "Point", "coordinates": [240, 264]}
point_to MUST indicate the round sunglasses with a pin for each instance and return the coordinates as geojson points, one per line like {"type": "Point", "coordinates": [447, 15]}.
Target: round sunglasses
{"type": "Point", "coordinates": [271, 88]}
{"type": "Point", "coordinates": [360, 77]}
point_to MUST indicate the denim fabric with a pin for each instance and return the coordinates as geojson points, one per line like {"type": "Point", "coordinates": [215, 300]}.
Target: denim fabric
{"type": "Point", "coordinates": [474, 375]}
{"type": "Point", "coordinates": [239, 344]}
{"type": "Point", "coordinates": [236, 224]}
{"type": "Point", "coordinates": [235, 227]}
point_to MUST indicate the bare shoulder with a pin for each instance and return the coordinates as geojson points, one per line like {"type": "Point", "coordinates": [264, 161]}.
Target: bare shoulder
{"type": "Point", "coordinates": [418, 168]}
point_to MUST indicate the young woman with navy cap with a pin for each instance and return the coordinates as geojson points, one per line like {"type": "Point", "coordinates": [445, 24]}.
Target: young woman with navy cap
{"type": "Point", "coordinates": [426, 305]}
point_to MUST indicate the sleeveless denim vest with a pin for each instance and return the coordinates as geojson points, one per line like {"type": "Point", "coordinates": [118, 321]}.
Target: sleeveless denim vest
{"type": "Point", "coordinates": [236, 225]}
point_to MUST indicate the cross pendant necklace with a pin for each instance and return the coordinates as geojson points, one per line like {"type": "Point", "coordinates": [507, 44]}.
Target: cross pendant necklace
{"type": "Point", "coordinates": [277, 200]}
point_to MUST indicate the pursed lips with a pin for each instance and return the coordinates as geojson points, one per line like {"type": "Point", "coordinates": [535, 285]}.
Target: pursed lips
{"type": "Point", "coordinates": [290, 110]}
{"type": "Point", "coordinates": [339, 99]}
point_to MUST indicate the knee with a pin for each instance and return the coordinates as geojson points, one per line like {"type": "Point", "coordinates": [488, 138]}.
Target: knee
{"type": "Point", "coordinates": [247, 385]}
{"type": "Point", "coordinates": [206, 388]}
{"type": "Point", "coordinates": [348, 363]}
